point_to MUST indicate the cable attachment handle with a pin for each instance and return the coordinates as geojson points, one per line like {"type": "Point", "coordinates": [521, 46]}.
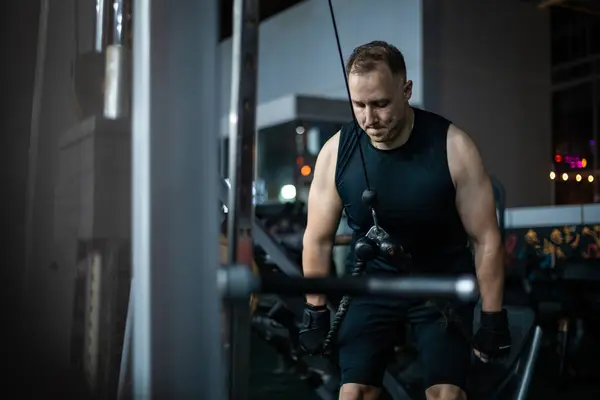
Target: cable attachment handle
{"type": "Point", "coordinates": [376, 236]}
{"type": "Point", "coordinates": [369, 198]}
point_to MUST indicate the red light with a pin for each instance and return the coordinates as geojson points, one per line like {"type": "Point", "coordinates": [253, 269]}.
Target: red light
{"type": "Point", "coordinates": [558, 158]}
{"type": "Point", "coordinates": [299, 160]}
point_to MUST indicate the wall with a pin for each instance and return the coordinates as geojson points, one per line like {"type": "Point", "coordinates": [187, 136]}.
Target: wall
{"type": "Point", "coordinates": [298, 52]}
{"type": "Point", "coordinates": [487, 68]}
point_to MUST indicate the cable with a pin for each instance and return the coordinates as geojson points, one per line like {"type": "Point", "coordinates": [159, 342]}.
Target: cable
{"type": "Point", "coordinates": [360, 264]}
{"type": "Point", "coordinates": [341, 311]}
{"type": "Point", "coordinates": [355, 127]}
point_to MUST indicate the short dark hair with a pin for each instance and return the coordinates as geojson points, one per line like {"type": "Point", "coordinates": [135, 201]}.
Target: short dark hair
{"type": "Point", "coordinates": [364, 58]}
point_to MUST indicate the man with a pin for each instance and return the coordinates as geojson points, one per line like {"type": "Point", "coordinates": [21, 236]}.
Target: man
{"type": "Point", "coordinates": [430, 183]}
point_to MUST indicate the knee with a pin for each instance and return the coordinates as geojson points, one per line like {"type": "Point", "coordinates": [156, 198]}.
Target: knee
{"type": "Point", "coordinates": [355, 391]}
{"type": "Point", "coordinates": [445, 392]}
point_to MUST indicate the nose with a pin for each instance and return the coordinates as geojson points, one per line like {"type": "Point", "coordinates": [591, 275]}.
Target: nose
{"type": "Point", "coordinates": [370, 116]}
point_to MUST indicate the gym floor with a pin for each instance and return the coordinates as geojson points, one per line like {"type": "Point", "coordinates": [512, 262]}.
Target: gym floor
{"type": "Point", "coordinates": [267, 384]}
{"type": "Point", "coordinates": [30, 382]}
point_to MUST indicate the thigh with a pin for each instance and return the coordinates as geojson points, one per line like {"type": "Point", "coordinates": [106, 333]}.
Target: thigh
{"type": "Point", "coordinates": [366, 338]}
{"type": "Point", "coordinates": [443, 341]}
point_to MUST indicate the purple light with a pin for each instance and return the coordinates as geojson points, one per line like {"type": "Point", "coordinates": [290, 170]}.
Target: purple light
{"type": "Point", "coordinates": [579, 164]}
{"type": "Point", "coordinates": [592, 142]}
{"type": "Point", "coordinates": [572, 164]}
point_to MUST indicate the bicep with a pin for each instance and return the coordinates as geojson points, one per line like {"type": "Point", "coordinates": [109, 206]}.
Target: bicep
{"type": "Point", "coordinates": [474, 194]}
{"type": "Point", "coordinates": [324, 203]}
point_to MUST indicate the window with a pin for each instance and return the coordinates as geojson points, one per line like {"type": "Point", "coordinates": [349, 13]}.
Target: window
{"type": "Point", "coordinates": [276, 158]}
{"type": "Point", "coordinates": [572, 120]}
{"type": "Point", "coordinates": [573, 142]}
{"type": "Point", "coordinates": [572, 35]}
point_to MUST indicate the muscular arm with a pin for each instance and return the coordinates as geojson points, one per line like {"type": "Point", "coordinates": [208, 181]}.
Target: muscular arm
{"type": "Point", "coordinates": [477, 209]}
{"type": "Point", "coordinates": [324, 213]}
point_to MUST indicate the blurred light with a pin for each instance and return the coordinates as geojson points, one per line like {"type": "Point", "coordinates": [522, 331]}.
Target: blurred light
{"type": "Point", "coordinates": [578, 178]}
{"type": "Point", "coordinates": [552, 175]}
{"type": "Point", "coordinates": [590, 178]}
{"type": "Point", "coordinates": [288, 192]}
{"type": "Point", "coordinates": [299, 160]}
{"type": "Point", "coordinates": [558, 158]}
{"type": "Point", "coordinates": [313, 141]}
{"type": "Point", "coordinates": [305, 170]}
{"type": "Point", "coordinates": [592, 142]}
{"type": "Point", "coordinates": [583, 163]}
{"type": "Point", "coordinates": [565, 176]}
{"type": "Point", "coordinates": [300, 130]}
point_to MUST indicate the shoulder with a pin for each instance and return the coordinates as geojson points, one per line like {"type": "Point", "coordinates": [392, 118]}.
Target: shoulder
{"type": "Point", "coordinates": [432, 127]}
{"type": "Point", "coordinates": [328, 153]}
{"type": "Point", "coordinates": [430, 115]}
{"type": "Point", "coordinates": [431, 119]}
{"type": "Point", "coordinates": [460, 144]}
{"type": "Point", "coordinates": [463, 155]}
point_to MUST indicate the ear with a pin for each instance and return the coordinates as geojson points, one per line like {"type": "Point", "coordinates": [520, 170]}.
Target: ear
{"type": "Point", "coordinates": [408, 90]}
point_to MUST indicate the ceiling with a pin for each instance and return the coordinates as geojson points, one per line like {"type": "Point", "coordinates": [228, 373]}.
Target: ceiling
{"type": "Point", "coordinates": [268, 8]}
{"type": "Point", "coordinates": [587, 6]}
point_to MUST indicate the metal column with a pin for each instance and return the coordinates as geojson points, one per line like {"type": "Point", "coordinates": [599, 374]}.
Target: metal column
{"type": "Point", "coordinates": [176, 334]}
{"type": "Point", "coordinates": [241, 174]}
{"type": "Point", "coordinates": [116, 81]}
{"type": "Point", "coordinates": [595, 134]}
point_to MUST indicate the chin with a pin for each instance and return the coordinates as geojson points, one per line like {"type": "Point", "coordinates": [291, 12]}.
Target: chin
{"type": "Point", "coordinates": [381, 137]}
{"type": "Point", "coordinates": [378, 135]}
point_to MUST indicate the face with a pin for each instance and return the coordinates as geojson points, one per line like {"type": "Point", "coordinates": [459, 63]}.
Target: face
{"type": "Point", "coordinates": [380, 102]}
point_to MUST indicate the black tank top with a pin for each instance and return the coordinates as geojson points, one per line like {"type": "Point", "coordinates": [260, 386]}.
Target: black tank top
{"type": "Point", "coordinates": [415, 196]}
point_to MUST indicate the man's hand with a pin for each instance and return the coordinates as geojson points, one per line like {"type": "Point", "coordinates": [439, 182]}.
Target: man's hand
{"type": "Point", "coordinates": [492, 341]}
{"type": "Point", "coordinates": [315, 326]}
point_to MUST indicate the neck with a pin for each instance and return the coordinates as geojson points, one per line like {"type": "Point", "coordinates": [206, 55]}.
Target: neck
{"type": "Point", "coordinates": [403, 135]}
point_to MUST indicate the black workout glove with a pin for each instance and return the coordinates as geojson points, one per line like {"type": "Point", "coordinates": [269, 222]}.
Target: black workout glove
{"type": "Point", "coordinates": [315, 326]}
{"type": "Point", "coordinates": [492, 339]}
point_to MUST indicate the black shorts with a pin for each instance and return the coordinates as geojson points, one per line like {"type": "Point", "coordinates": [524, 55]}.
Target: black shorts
{"type": "Point", "coordinates": [373, 326]}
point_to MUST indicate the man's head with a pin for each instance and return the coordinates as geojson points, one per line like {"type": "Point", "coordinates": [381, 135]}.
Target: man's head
{"type": "Point", "coordinates": [379, 90]}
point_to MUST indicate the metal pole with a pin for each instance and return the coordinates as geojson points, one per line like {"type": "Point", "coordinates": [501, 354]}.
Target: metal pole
{"type": "Point", "coordinates": [117, 84]}
{"type": "Point", "coordinates": [241, 174]}
{"type": "Point", "coordinates": [34, 135]}
{"type": "Point", "coordinates": [176, 333]}
{"type": "Point", "coordinates": [119, 24]}
{"type": "Point", "coordinates": [124, 369]}
{"type": "Point", "coordinates": [595, 134]}
{"type": "Point", "coordinates": [523, 387]}
{"type": "Point", "coordinates": [101, 24]}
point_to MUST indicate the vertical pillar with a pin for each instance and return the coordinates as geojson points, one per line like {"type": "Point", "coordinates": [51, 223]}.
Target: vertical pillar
{"type": "Point", "coordinates": [176, 334]}
{"type": "Point", "coordinates": [117, 86]}
{"type": "Point", "coordinates": [241, 174]}
{"type": "Point", "coordinates": [595, 134]}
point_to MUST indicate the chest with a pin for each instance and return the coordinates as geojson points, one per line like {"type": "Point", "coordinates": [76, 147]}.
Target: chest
{"type": "Point", "coordinates": [412, 188]}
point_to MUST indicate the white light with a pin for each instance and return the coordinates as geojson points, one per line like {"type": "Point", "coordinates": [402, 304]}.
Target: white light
{"type": "Point", "coordinates": [288, 192]}
{"type": "Point", "coordinates": [300, 130]}
{"type": "Point", "coordinates": [552, 175]}
{"type": "Point", "coordinates": [565, 176]}
{"type": "Point", "coordinates": [578, 178]}
{"type": "Point", "coordinates": [465, 287]}
{"type": "Point", "coordinates": [590, 178]}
